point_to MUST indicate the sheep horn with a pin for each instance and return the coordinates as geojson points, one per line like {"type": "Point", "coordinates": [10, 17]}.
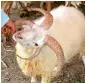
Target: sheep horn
{"type": "Point", "coordinates": [55, 46]}
{"type": "Point", "coordinates": [48, 17]}
{"type": "Point", "coordinates": [23, 22]}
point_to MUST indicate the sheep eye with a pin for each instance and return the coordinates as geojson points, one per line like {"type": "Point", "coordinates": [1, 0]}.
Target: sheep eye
{"type": "Point", "coordinates": [36, 44]}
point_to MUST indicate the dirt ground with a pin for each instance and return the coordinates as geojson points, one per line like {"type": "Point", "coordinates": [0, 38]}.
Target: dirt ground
{"type": "Point", "coordinates": [73, 72]}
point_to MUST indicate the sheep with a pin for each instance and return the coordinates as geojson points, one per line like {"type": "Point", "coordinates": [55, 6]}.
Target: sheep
{"type": "Point", "coordinates": [63, 30]}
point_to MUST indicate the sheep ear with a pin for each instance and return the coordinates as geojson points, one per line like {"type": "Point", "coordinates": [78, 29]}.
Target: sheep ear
{"type": "Point", "coordinates": [55, 46]}
{"type": "Point", "coordinates": [14, 36]}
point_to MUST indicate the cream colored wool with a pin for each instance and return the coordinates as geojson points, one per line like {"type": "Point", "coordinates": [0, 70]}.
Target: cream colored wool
{"type": "Point", "coordinates": [68, 29]}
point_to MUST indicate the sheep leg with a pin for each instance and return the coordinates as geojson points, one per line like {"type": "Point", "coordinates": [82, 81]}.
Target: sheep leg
{"type": "Point", "coordinates": [82, 54]}
{"type": "Point", "coordinates": [83, 58]}
{"type": "Point", "coordinates": [46, 79]}
{"type": "Point", "coordinates": [33, 79]}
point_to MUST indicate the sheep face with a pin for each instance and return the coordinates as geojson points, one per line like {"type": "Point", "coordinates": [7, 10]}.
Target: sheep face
{"type": "Point", "coordinates": [31, 36]}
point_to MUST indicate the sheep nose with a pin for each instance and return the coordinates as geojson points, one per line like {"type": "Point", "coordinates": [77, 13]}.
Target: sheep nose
{"type": "Point", "coordinates": [36, 44]}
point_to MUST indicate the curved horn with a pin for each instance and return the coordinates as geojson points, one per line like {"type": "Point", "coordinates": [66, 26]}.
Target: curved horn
{"type": "Point", "coordinates": [55, 46]}
{"type": "Point", "coordinates": [23, 22]}
{"type": "Point", "coordinates": [48, 17]}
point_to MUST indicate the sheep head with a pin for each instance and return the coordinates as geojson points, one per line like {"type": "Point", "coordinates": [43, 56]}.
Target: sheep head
{"type": "Point", "coordinates": [34, 35]}
{"type": "Point", "coordinates": [36, 32]}
{"type": "Point", "coordinates": [30, 36]}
